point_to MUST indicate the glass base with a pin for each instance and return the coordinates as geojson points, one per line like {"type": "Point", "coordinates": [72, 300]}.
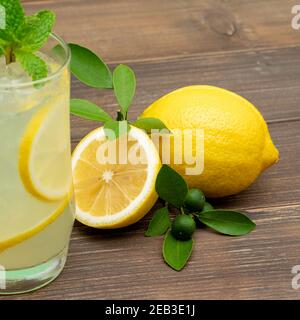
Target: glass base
{"type": "Point", "coordinates": [29, 279]}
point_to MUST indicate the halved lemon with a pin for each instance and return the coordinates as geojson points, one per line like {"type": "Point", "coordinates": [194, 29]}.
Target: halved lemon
{"type": "Point", "coordinates": [114, 180]}
{"type": "Point", "coordinates": [44, 157]}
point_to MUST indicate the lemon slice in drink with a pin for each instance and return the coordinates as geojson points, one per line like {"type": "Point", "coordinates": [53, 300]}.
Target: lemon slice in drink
{"type": "Point", "coordinates": [118, 190]}
{"type": "Point", "coordinates": [15, 238]}
{"type": "Point", "coordinates": [44, 164]}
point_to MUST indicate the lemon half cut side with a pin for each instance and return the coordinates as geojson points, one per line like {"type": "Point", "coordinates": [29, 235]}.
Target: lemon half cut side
{"type": "Point", "coordinates": [113, 195]}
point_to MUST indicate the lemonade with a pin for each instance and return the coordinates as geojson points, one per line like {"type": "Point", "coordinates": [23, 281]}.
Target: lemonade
{"type": "Point", "coordinates": [36, 207]}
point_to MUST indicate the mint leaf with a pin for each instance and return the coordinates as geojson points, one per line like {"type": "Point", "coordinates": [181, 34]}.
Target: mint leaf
{"type": "Point", "coordinates": [176, 253]}
{"type": "Point", "coordinates": [88, 110]}
{"type": "Point", "coordinates": [14, 15]}
{"type": "Point", "coordinates": [228, 222]}
{"type": "Point", "coordinates": [33, 65]}
{"type": "Point", "coordinates": [159, 223]}
{"type": "Point", "coordinates": [149, 124]}
{"type": "Point", "coordinates": [58, 51]}
{"type": "Point", "coordinates": [34, 32]}
{"type": "Point", "coordinates": [114, 129]}
{"type": "Point", "coordinates": [170, 186]}
{"type": "Point", "coordinates": [124, 86]}
{"type": "Point", "coordinates": [89, 68]}
{"type": "Point", "coordinates": [21, 36]}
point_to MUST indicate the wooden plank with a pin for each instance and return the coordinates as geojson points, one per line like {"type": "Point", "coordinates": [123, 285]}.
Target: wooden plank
{"type": "Point", "coordinates": [268, 78]}
{"type": "Point", "coordinates": [232, 44]}
{"type": "Point", "coordinates": [140, 30]}
{"type": "Point", "coordinates": [257, 266]}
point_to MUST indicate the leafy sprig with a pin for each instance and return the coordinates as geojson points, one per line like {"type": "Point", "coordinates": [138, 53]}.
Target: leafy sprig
{"type": "Point", "coordinates": [172, 188]}
{"type": "Point", "coordinates": [22, 36]}
{"type": "Point", "coordinates": [91, 70]}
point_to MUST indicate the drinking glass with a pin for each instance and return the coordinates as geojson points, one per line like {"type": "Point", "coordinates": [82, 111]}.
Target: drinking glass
{"type": "Point", "coordinates": [36, 196]}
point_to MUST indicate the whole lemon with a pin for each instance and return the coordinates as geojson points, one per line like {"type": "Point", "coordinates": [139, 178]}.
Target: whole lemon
{"type": "Point", "coordinates": [237, 143]}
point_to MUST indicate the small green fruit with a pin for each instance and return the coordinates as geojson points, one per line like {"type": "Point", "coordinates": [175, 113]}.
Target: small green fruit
{"type": "Point", "coordinates": [183, 227]}
{"type": "Point", "coordinates": [194, 200]}
{"type": "Point", "coordinates": [207, 207]}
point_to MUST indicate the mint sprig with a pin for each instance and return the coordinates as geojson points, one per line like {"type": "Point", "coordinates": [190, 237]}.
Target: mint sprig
{"type": "Point", "coordinates": [35, 31]}
{"type": "Point", "coordinates": [13, 18]}
{"type": "Point", "coordinates": [172, 188]}
{"type": "Point", "coordinates": [91, 70]}
{"type": "Point", "coordinates": [22, 36]}
{"type": "Point", "coordinates": [34, 65]}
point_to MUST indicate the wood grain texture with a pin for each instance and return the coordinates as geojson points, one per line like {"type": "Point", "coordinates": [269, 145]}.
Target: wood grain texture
{"type": "Point", "coordinates": [269, 78]}
{"type": "Point", "coordinates": [141, 30]}
{"type": "Point", "coordinates": [255, 266]}
{"type": "Point", "coordinates": [245, 46]}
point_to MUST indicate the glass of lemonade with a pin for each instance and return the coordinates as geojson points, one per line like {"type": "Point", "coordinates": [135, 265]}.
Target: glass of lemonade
{"type": "Point", "coordinates": [36, 196]}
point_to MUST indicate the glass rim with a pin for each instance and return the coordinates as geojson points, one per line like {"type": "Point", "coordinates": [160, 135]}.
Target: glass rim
{"type": "Point", "coordinates": [52, 75]}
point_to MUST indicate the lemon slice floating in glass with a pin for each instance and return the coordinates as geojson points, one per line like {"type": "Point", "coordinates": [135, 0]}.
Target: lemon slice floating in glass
{"type": "Point", "coordinates": [14, 237]}
{"type": "Point", "coordinates": [43, 165]}
{"type": "Point", "coordinates": [116, 191]}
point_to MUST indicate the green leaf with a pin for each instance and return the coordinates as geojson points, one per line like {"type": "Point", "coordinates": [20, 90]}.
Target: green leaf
{"type": "Point", "coordinates": [35, 31]}
{"type": "Point", "coordinates": [114, 129]}
{"type": "Point", "coordinates": [170, 186]}
{"type": "Point", "coordinates": [148, 124]}
{"type": "Point", "coordinates": [88, 110]}
{"type": "Point", "coordinates": [228, 222]}
{"type": "Point", "coordinates": [21, 36]}
{"type": "Point", "coordinates": [58, 52]}
{"type": "Point", "coordinates": [124, 86]}
{"type": "Point", "coordinates": [176, 253]}
{"type": "Point", "coordinates": [89, 68]}
{"type": "Point", "coordinates": [159, 223]}
{"type": "Point", "coordinates": [14, 15]}
{"type": "Point", "coordinates": [33, 65]}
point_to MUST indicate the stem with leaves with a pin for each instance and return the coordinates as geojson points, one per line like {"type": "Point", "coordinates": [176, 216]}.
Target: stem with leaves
{"type": "Point", "coordinates": [172, 188]}
{"type": "Point", "coordinates": [91, 70]}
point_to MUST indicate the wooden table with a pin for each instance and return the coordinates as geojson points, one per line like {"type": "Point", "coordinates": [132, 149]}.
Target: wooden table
{"type": "Point", "coordinates": [245, 46]}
